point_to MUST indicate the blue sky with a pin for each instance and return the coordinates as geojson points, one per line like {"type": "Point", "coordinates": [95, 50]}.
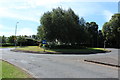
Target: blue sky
{"type": "Point", "coordinates": [28, 13]}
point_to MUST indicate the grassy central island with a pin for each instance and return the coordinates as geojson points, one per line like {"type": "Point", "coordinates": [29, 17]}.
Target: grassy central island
{"type": "Point", "coordinates": [80, 51]}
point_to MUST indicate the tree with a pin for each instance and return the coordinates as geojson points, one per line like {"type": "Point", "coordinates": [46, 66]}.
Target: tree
{"type": "Point", "coordinates": [92, 28]}
{"type": "Point", "coordinates": [60, 25]}
{"type": "Point", "coordinates": [82, 21]}
{"type": "Point", "coordinates": [3, 39]}
{"type": "Point", "coordinates": [21, 40]}
{"type": "Point", "coordinates": [11, 39]}
{"type": "Point", "coordinates": [34, 37]}
{"type": "Point", "coordinates": [40, 33]}
{"type": "Point", "coordinates": [100, 39]}
{"type": "Point", "coordinates": [111, 31]}
{"type": "Point", "coordinates": [0, 39]}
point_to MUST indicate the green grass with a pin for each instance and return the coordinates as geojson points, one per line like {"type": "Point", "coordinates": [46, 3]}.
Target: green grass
{"type": "Point", "coordinates": [30, 48]}
{"type": "Point", "coordinates": [38, 49]}
{"type": "Point", "coordinates": [11, 71]}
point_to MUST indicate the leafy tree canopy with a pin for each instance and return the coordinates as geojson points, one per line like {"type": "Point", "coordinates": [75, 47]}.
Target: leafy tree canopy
{"type": "Point", "coordinates": [60, 25]}
{"type": "Point", "coordinates": [111, 29]}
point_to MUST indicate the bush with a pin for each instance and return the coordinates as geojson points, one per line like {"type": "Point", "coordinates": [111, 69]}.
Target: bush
{"type": "Point", "coordinates": [28, 42]}
{"type": "Point", "coordinates": [64, 47]}
{"type": "Point", "coordinates": [6, 44]}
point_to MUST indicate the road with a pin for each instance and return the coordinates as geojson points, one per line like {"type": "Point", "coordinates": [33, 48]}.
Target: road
{"type": "Point", "coordinates": [61, 66]}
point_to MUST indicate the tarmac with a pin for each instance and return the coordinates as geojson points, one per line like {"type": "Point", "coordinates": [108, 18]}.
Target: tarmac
{"type": "Point", "coordinates": [65, 65]}
{"type": "Point", "coordinates": [109, 61]}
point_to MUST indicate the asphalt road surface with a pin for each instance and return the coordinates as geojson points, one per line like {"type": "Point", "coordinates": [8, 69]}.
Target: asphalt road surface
{"type": "Point", "coordinates": [61, 66]}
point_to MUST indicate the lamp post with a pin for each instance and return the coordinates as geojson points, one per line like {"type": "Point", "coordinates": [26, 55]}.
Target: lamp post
{"type": "Point", "coordinates": [15, 34]}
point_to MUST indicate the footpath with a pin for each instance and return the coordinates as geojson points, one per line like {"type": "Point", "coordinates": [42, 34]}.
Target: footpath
{"type": "Point", "coordinates": [104, 61]}
{"type": "Point", "coordinates": [110, 59]}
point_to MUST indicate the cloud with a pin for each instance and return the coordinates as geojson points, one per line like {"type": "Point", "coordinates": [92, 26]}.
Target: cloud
{"type": "Point", "coordinates": [7, 31]}
{"type": "Point", "coordinates": [23, 15]}
{"type": "Point", "coordinates": [28, 9]}
{"type": "Point", "coordinates": [31, 10]}
{"type": "Point", "coordinates": [25, 31]}
{"type": "Point", "coordinates": [107, 15]}
{"type": "Point", "coordinates": [7, 34]}
{"type": "Point", "coordinates": [45, 3]}
{"type": "Point", "coordinates": [11, 31]}
{"type": "Point", "coordinates": [1, 27]}
{"type": "Point", "coordinates": [20, 4]}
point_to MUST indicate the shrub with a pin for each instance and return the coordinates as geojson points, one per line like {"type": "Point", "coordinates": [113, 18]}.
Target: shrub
{"type": "Point", "coordinates": [64, 47]}
{"type": "Point", "coordinates": [7, 44]}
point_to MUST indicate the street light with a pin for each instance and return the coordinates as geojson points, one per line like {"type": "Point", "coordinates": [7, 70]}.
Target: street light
{"type": "Point", "coordinates": [15, 34]}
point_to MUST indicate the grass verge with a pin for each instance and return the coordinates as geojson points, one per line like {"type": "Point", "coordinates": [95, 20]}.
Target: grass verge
{"type": "Point", "coordinates": [38, 49]}
{"type": "Point", "coordinates": [11, 71]}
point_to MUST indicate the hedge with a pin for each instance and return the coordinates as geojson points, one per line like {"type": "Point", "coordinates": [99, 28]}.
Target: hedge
{"type": "Point", "coordinates": [6, 44]}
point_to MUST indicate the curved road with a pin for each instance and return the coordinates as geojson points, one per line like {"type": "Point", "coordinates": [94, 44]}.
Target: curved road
{"type": "Point", "coordinates": [61, 66]}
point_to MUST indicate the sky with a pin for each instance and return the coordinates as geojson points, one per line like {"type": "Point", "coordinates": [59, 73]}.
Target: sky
{"type": "Point", "coordinates": [29, 12]}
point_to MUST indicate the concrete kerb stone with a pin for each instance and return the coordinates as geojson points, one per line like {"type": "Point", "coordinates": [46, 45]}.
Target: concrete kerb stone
{"type": "Point", "coordinates": [103, 63]}
{"type": "Point", "coordinates": [42, 52]}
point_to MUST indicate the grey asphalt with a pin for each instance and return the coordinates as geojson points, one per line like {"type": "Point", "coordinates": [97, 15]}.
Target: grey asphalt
{"type": "Point", "coordinates": [62, 66]}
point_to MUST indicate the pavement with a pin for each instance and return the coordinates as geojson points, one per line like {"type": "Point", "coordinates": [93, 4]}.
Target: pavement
{"type": "Point", "coordinates": [109, 60]}
{"type": "Point", "coordinates": [65, 66]}
{"type": "Point", "coordinates": [104, 61]}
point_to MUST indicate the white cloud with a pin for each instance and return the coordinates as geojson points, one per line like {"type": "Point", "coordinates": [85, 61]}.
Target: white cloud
{"type": "Point", "coordinates": [11, 31]}
{"type": "Point", "coordinates": [25, 9]}
{"type": "Point", "coordinates": [7, 31]}
{"type": "Point", "coordinates": [107, 15]}
{"type": "Point", "coordinates": [20, 4]}
{"type": "Point", "coordinates": [25, 31]}
{"type": "Point", "coordinates": [1, 27]}
{"type": "Point", "coordinates": [46, 3]}
{"type": "Point", "coordinates": [18, 15]}
{"type": "Point", "coordinates": [7, 34]}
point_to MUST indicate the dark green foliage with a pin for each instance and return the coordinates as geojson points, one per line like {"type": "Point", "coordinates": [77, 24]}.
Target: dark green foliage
{"type": "Point", "coordinates": [34, 37]}
{"type": "Point", "coordinates": [82, 22]}
{"type": "Point", "coordinates": [92, 34]}
{"type": "Point", "coordinates": [2, 39]}
{"type": "Point", "coordinates": [26, 41]}
{"type": "Point", "coordinates": [61, 26]}
{"type": "Point", "coordinates": [21, 40]}
{"type": "Point", "coordinates": [41, 33]}
{"type": "Point", "coordinates": [6, 41]}
{"type": "Point", "coordinates": [31, 42]}
{"type": "Point", "coordinates": [100, 39]}
{"type": "Point", "coordinates": [65, 47]}
{"type": "Point", "coordinates": [111, 31]}
{"type": "Point", "coordinates": [11, 39]}
{"type": "Point", "coordinates": [64, 28]}
{"type": "Point", "coordinates": [6, 44]}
